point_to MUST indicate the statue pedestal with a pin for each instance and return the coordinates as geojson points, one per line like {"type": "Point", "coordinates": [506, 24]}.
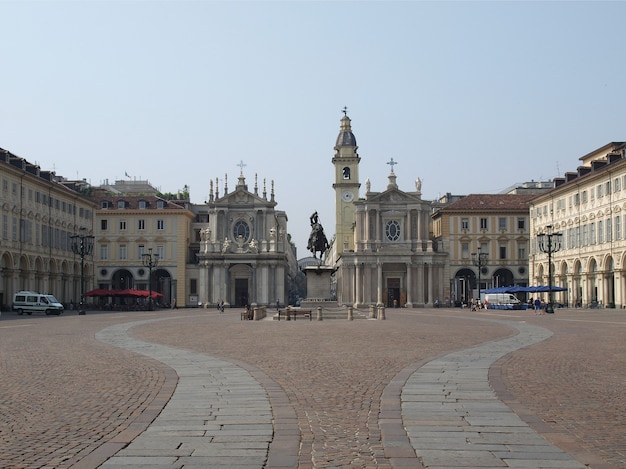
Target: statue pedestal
{"type": "Point", "coordinates": [317, 286]}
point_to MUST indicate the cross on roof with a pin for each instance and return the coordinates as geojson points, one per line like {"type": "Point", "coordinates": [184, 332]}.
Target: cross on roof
{"type": "Point", "coordinates": [345, 110]}
{"type": "Point", "coordinates": [392, 163]}
{"type": "Point", "coordinates": [241, 165]}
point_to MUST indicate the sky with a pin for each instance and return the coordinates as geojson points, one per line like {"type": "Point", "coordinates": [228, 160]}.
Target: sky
{"type": "Point", "coordinates": [470, 97]}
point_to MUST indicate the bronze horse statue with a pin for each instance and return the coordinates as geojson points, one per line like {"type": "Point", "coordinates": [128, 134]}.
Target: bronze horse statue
{"type": "Point", "coordinates": [317, 238]}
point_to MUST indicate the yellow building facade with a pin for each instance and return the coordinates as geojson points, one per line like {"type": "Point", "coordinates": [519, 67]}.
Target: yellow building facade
{"type": "Point", "coordinates": [40, 211]}
{"type": "Point", "coordinates": [495, 226]}
{"type": "Point", "coordinates": [586, 207]}
{"type": "Point", "coordinates": [132, 220]}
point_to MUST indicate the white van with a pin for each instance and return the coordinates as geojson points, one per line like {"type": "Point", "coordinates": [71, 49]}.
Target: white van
{"type": "Point", "coordinates": [501, 299]}
{"type": "Point", "coordinates": [30, 302]}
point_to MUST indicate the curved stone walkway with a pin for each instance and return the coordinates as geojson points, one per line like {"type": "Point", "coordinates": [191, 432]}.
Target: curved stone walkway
{"type": "Point", "coordinates": [454, 419]}
{"type": "Point", "coordinates": [451, 415]}
{"type": "Point", "coordinates": [211, 419]}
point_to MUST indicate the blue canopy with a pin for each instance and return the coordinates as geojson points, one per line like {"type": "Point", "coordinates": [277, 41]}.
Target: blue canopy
{"type": "Point", "coordinates": [517, 289]}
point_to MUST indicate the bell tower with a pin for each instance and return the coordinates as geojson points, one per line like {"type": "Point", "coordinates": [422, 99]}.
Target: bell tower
{"type": "Point", "coordinates": [346, 162]}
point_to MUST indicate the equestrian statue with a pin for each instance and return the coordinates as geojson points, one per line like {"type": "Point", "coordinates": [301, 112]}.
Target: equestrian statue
{"type": "Point", "coordinates": [317, 239]}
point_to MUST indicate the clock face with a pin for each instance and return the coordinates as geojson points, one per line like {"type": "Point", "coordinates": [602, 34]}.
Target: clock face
{"type": "Point", "coordinates": [347, 196]}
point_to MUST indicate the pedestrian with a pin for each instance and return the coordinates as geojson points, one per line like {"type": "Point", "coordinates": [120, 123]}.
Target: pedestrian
{"type": "Point", "coordinates": [174, 305]}
{"type": "Point", "coordinates": [277, 304]}
{"type": "Point", "coordinates": [537, 305]}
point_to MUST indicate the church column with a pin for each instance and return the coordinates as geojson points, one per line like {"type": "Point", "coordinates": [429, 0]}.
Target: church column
{"type": "Point", "coordinates": [203, 282]}
{"type": "Point", "coordinates": [279, 284]}
{"type": "Point", "coordinates": [430, 284]}
{"type": "Point", "coordinates": [409, 285]}
{"type": "Point", "coordinates": [215, 279]}
{"type": "Point", "coordinates": [226, 284]}
{"type": "Point", "coordinates": [379, 235]}
{"type": "Point", "coordinates": [409, 231]}
{"type": "Point", "coordinates": [420, 284]}
{"type": "Point", "coordinates": [262, 286]}
{"type": "Point", "coordinates": [379, 292]}
{"type": "Point", "coordinates": [358, 279]}
{"type": "Point", "coordinates": [366, 238]}
{"type": "Point", "coordinates": [254, 296]}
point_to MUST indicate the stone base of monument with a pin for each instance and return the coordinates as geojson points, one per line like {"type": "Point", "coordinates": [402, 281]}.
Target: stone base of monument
{"type": "Point", "coordinates": [318, 283]}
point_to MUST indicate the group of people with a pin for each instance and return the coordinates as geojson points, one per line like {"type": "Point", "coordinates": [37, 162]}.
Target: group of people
{"type": "Point", "coordinates": [538, 305]}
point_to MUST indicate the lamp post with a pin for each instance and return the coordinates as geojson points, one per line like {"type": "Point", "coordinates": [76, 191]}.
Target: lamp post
{"type": "Point", "coordinates": [549, 242]}
{"type": "Point", "coordinates": [82, 245]}
{"type": "Point", "coordinates": [479, 259]}
{"type": "Point", "coordinates": [150, 261]}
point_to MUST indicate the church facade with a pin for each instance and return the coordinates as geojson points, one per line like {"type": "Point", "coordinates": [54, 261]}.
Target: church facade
{"type": "Point", "coordinates": [383, 252]}
{"type": "Point", "coordinates": [244, 253]}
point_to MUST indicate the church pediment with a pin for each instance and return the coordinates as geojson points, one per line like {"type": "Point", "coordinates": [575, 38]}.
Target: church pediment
{"type": "Point", "coordinates": [242, 197]}
{"type": "Point", "coordinates": [393, 196]}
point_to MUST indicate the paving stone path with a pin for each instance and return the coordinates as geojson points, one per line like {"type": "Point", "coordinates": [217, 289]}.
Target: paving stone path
{"type": "Point", "coordinates": [451, 415]}
{"type": "Point", "coordinates": [210, 421]}
{"type": "Point", "coordinates": [454, 419]}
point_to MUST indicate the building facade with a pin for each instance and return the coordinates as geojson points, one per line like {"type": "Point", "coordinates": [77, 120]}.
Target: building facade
{"type": "Point", "coordinates": [133, 220]}
{"type": "Point", "coordinates": [382, 250]}
{"type": "Point", "coordinates": [495, 226]}
{"type": "Point", "coordinates": [40, 213]}
{"type": "Point", "coordinates": [243, 250]}
{"type": "Point", "coordinates": [586, 208]}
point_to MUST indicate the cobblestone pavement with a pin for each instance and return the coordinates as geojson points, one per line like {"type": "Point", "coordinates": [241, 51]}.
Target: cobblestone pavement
{"type": "Point", "coordinates": [68, 400]}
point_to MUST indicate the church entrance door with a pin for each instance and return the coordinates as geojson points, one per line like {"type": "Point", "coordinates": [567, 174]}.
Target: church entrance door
{"type": "Point", "coordinates": [393, 292]}
{"type": "Point", "coordinates": [241, 292]}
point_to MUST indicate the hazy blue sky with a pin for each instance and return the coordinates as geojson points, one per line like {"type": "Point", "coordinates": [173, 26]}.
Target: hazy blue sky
{"type": "Point", "coordinates": [471, 97]}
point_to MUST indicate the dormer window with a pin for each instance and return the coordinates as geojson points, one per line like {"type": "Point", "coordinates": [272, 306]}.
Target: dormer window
{"type": "Point", "coordinates": [121, 204]}
{"type": "Point", "coordinates": [104, 204]}
{"type": "Point", "coordinates": [160, 204]}
{"type": "Point", "coordinates": [143, 204]}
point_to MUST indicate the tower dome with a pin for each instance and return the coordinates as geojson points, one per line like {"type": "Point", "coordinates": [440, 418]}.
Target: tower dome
{"type": "Point", "coordinates": [345, 138]}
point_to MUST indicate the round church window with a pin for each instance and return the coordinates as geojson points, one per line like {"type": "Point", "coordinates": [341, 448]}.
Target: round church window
{"type": "Point", "coordinates": [392, 230]}
{"type": "Point", "coordinates": [242, 229]}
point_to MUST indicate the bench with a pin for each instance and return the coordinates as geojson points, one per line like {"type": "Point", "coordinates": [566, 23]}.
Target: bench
{"type": "Point", "coordinates": [288, 313]}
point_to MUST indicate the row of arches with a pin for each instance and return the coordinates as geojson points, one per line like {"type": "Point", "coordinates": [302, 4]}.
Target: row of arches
{"type": "Point", "coordinates": [590, 282]}
{"type": "Point", "coordinates": [62, 278]}
{"type": "Point", "coordinates": [464, 286]}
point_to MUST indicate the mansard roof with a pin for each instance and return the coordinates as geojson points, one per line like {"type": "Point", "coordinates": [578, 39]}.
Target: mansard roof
{"type": "Point", "coordinates": [132, 202]}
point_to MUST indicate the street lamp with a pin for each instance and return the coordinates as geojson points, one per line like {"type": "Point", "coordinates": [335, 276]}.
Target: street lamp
{"type": "Point", "coordinates": [150, 261]}
{"type": "Point", "coordinates": [82, 245]}
{"type": "Point", "coordinates": [549, 245]}
{"type": "Point", "coordinates": [479, 259]}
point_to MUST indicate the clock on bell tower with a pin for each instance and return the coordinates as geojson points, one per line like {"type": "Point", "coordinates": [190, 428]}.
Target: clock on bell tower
{"type": "Point", "coordinates": [346, 162]}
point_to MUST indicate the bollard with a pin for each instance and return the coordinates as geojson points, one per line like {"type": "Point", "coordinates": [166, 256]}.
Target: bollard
{"type": "Point", "coordinates": [256, 314]}
{"type": "Point", "coordinates": [319, 313]}
{"type": "Point", "coordinates": [381, 312]}
{"type": "Point", "coordinates": [372, 311]}
{"type": "Point", "coordinates": [350, 315]}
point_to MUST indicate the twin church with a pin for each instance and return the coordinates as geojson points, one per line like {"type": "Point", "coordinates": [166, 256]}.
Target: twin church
{"type": "Point", "coordinates": [382, 252]}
